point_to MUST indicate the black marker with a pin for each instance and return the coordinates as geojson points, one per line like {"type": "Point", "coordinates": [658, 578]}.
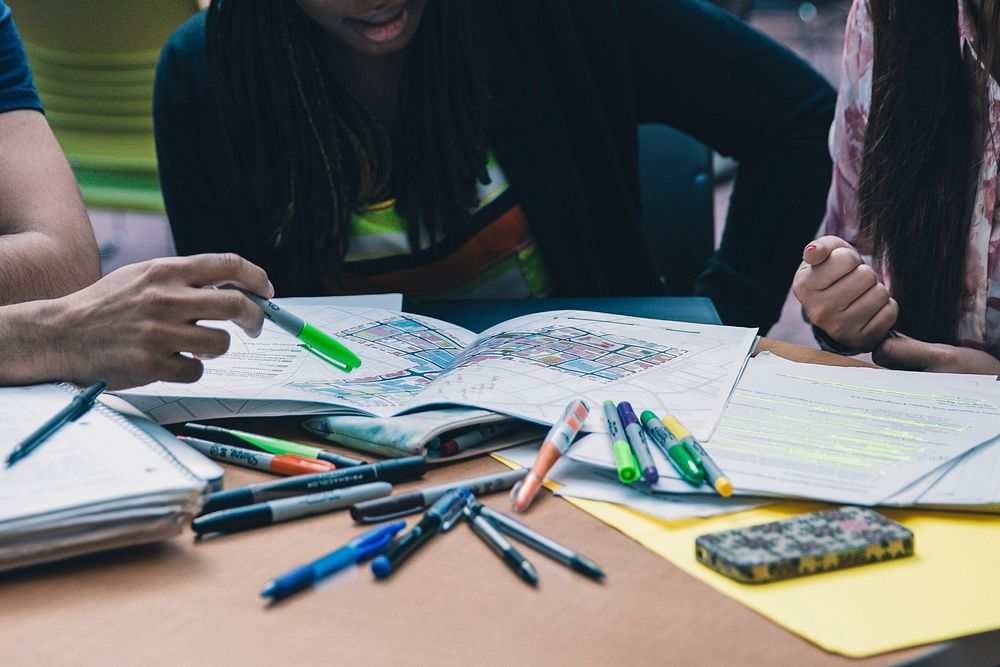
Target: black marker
{"type": "Point", "coordinates": [286, 509]}
{"type": "Point", "coordinates": [396, 470]}
{"type": "Point", "coordinates": [383, 509]}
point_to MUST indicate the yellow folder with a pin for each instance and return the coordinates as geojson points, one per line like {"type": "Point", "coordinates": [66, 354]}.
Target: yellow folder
{"type": "Point", "coordinates": [950, 587]}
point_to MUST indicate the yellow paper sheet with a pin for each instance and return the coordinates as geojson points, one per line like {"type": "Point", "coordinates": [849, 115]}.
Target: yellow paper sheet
{"type": "Point", "coordinates": [950, 587]}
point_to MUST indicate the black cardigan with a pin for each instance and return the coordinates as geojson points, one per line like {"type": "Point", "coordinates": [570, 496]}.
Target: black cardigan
{"type": "Point", "coordinates": [570, 81]}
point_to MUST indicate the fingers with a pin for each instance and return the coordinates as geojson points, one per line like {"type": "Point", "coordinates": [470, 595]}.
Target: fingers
{"type": "Point", "coordinates": [879, 325]}
{"type": "Point", "coordinates": [179, 368]}
{"type": "Point", "coordinates": [210, 270]}
{"type": "Point", "coordinates": [819, 250]}
{"type": "Point", "coordinates": [905, 353]}
{"type": "Point", "coordinates": [189, 304]}
{"type": "Point", "coordinates": [864, 322]}
{"type": "Point", "coordinates": [840, 263]}
{"type": "Point", "coordinates": [201, 341]}
{"type": "Point", "coordinates": [839, 296]}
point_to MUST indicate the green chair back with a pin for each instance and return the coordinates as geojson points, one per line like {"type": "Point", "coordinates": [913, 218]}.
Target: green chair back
{"type": "Point", "coordinates": [94, 64]}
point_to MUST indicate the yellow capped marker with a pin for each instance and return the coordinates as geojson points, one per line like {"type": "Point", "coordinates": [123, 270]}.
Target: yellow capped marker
{"type": "Point", "coordinates": [715, 476]}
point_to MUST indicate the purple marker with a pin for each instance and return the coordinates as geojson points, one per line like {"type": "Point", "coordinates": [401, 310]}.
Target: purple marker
{"type": "Point", "coordinates": [637, 440]}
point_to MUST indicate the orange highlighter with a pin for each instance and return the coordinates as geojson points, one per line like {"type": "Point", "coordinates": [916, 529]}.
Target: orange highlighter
{"type": "Point", "coordinates": [279, 464]}
{"type": "Point", "coordinates": [555, 445]}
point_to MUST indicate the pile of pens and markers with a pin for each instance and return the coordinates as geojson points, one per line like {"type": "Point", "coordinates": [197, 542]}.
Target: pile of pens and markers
{"type": "Point", "coordinates": [262, 452]}
{"type": "Point", "coordinates": [365, 490]}
{"type": "Point", "coordinates": [446, 511]}
{"type": "Point", "coordinates": [630, 444]}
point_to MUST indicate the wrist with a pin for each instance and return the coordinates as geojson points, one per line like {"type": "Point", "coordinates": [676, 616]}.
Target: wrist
{"type": "Point", "coordinates": [828, 344]}
{"type": "Point", "coordinates": [31, 341]}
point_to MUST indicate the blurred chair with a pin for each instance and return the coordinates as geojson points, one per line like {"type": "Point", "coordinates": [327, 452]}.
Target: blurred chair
{"type": "Point", "coordinates": [94, 63]}
{"type": "Point", "coordinates": [678, 207]}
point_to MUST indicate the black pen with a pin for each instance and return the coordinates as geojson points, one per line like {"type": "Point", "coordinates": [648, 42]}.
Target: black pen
{"type": "Point", "coordinates": [393, 507]}
{"type": "Point", "coordinates": [79, 406]}
{"type": "Point", "coordinates": [394, 470]}
{"type": "Point", "coordinates": [547, 546]}
{"type": "Point", "coordinates": [441, 516]}
{"type": "Point", "coordinates": [482, 527]}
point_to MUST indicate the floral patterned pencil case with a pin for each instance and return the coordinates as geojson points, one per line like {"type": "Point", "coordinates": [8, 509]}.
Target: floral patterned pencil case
{"type": "Point", "coordinates": [804, 544]}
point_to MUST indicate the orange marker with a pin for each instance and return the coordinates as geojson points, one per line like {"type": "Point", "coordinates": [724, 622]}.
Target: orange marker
{"type": "Point", "coordinates": [555, 445]}
{"type": "Point", "coordinates": [293, 464]}
{"type": "Point", "coordinates": [279, 464]}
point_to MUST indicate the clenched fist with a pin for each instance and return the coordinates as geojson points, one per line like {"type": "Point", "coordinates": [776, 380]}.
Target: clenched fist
{"type": "Point", "coordinates": [842, 295]}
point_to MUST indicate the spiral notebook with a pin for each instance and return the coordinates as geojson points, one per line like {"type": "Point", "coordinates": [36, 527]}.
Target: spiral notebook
{"type": "Point", "coordinates": [97, 483]}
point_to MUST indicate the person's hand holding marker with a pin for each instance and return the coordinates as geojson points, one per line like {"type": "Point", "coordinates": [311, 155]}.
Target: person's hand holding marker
{"type": "Point", "coordinates": [139, 324]}
{"type": "Point", "coordinates": [842, 295]}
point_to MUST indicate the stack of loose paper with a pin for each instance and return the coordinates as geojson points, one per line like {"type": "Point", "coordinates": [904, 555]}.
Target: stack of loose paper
{"type": "Point", "coordinates": [98, 482]}
{"type": "Point", "coordinates": [850, 435]}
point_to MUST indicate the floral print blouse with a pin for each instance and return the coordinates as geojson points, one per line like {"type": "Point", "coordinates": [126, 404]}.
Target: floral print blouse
{"type": "Point", "coordinates": [979, 324]}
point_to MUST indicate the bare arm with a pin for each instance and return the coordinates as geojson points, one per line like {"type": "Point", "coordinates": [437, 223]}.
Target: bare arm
{"type": "Point", "coordinates": [138, 324]}
{"type": "Point", "coordinates": [47, 246]}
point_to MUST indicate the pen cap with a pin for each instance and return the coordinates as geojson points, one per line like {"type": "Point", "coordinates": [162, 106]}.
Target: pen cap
{"type": "Point", "coordinates": [338, 354]}
{"type": "Point", "coordinates": [410, 467]}
{"type": "Point", "coordinates": [383, 509]}
{"type": "Point", "coordinates": [676, 427]}
{"type": "Point", "coordinates": [627, 414]}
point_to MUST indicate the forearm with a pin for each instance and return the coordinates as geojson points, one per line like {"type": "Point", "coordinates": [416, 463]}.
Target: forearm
{"type": "Point", "coordinates": [47, 246]}
{"type": "Point", "coordinates": [775, 210]}
{"type": "Point", "coordinates": [737, 91]}
{"type": "Point", "coordinates": [29, 343]}
{"type": "Point", "coordinates": [34, 265]}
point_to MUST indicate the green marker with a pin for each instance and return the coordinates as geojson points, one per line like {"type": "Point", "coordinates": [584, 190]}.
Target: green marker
{"type": "Point", "coordinates": [628, 467]}
{"type": "Point", "coordinates": [236, 438]}
{"type": "Point", "coordinates": [313, 340]}
{"type": "Point", "coordinates": [680, 454]}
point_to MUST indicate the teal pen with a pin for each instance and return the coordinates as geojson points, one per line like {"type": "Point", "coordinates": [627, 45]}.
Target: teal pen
{"type": "Point", "coordinates": [315, 341]}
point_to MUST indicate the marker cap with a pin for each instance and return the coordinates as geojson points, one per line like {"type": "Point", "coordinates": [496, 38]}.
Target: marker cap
{"type": "Point", "coordinates": [409, 467]}
{"type": "Point", "coordinates": [331, 351]}
{"type": "Point", "coordinates": [383, 509]}
{"type": "Point", "coordinates": [676, 427]}
{"type": "Point", "coordinates": [724, 487]}
{"type": "Point", "coordinates": [628, 467]}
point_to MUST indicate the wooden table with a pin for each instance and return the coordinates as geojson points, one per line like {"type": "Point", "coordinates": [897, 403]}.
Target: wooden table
{"type": "Point", "coordinates": [187, 602]}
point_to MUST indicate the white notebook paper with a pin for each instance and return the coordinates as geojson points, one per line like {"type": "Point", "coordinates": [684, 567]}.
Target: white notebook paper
{"type": "Point", "coordinates": [97, 482]}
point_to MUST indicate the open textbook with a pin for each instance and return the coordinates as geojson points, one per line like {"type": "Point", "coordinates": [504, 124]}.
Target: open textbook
{"type": "Point", "coordinates": [851, 435]}
{"type": "Point", "coordinates": [529, 367]}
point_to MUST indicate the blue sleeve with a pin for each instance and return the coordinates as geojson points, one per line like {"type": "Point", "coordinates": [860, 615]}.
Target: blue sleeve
{"type": "Point", "coordinates": [16, 88]}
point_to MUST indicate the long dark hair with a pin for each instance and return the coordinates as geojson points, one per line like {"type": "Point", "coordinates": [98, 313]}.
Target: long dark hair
{"type": "Point", "coordinates": [313, 154]}
{"type": "Point", "coordinates": [920, 157]}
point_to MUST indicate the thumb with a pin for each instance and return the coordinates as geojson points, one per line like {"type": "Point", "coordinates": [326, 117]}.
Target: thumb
{"type": "Point", "coordinates": [903, 353]}
{"type": "Point", "coordinates": [817, 251]}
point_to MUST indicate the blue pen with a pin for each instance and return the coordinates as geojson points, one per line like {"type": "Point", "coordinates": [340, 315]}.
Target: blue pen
{"type": "Point", "coordinates": [359, 549]}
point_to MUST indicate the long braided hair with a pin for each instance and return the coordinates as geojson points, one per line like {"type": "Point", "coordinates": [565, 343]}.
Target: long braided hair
{"type": "Point", "coordinates": [312, 153]}
{"type": "Point", "coordinates": [918, 163]}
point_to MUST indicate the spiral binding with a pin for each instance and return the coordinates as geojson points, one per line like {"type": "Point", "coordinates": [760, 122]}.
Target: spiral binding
{"type": "Point", "coordinates": [135, 431]}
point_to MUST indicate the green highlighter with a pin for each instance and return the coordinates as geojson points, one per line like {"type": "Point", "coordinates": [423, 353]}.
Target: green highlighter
{"type": "Point", "coordinates": [237, 438]}
{"type": "Point", "coordinates": [628, 466]}
{"type": "Point", "coordinates": [313, 340]}
{"type": "Point", "coordinates": [684, 459]}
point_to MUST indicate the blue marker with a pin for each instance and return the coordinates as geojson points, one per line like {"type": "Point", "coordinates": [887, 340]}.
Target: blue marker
{"type": "Point", "coordinates": [360, 548]}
